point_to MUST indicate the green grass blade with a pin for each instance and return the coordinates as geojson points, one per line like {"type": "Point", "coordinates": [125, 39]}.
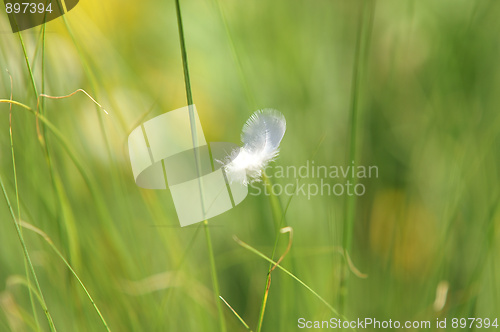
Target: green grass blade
{"type": "Point", "coordinates": [260, 254]}
{"type": "Point", "coordinates": [279, 225]}
{"type": "Point", "coordinates": [187, 80]}
{"type": "Point", "coordinates": [189, 97]}
{"type": "Point", "coordinates": [215, 281]}
{"type": "Point", "coordinates": [236, 314]}
{"type": "Point", "coordinates": [95, 194]}
{"type": "Point", "coordinates": [60, 255]}
{"type": "Point", "coordinates": [69, 222]}
{"type": "Point", "coordinates": [18, 207]}
{"type": "Point", "coordinates": [27, 256]}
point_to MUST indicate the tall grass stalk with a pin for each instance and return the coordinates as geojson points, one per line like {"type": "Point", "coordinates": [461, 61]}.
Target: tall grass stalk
{"type": "Point", "coordinates": [28, 258]}
{"type": "Point", "coordinates": [93, 89]}
{"type": "Point", "coordinates": [183, 259]}
{"type": "Point", "coordinates": [279, 220]}
{"type": "Point", "coordinates": [213, 269]}
{"type": "Point", "coordinates": [192, 120]}
{"type": "Point", "coordinates": [44, 146]}
{"type": "Point", "coordinates": [275, 205]}
{"type": "Point", "coordinates": [95, 194]}
{"type": "Point", "coordinates": [60, 255]}
{"type": "Point", "coordinates": [115, 180]}
{"type": "Point", "coordinates": [16, 187]}
{"type": "Point", "coordinates": [64, 142]}
{"type": "Point", "coordinates": [278, 265]}
{"type": "Point", "coordinates": [68, 219]}
{"type": "Point", "coordinates": [365, 23]}
{"type": "Point", "coordinates": [62, 200]}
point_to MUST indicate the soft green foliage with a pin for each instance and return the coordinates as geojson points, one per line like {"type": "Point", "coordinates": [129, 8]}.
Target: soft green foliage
{"type": "Point", "coordinates": [427, 116]}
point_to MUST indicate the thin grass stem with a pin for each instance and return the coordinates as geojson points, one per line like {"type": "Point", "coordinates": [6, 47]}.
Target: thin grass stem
{"type": "Point", "coordinates": [276, 264]}
{"type": "Point", "coordinates": [236, 314]}
{"type": "Point", "coordinates": [95, 194]}
{"type": "Point", "coordinates": [189, 97]}
{"type": "Point", "coordinates": [69, 222]}
{"type": "Point", "coordinates": [213, 270]}
{"type": "Point", "coordinates": [262, 310]}
{"type": "Point", "coordinates": [278, 225]}
{"type": "Point", "coordinates": [28, 258]}
{"type": "Point", "coordinates": [182, 261]}
{"type": "Point", "coordinates": [16, 186]}
{"type": "Point", "coordinates": [114, 177]}
{"type": "Point", "coordinates": [185, 66]}
{"type": "Point", "coordinates": [51, 244]}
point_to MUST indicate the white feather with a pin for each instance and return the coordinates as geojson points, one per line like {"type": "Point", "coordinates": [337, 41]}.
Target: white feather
{"type": "Point", "coordinates": [261, 137]}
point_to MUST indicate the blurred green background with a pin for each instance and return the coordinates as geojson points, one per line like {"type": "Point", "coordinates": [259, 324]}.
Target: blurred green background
{"type": "Point", "coordinates": [428, 99]}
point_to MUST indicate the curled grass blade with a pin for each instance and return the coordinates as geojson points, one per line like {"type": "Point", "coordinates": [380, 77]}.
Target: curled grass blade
{"type": "Point", "coordinates": [95, 194]}
{"type": "Point", "coordinates": [69, 221]}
